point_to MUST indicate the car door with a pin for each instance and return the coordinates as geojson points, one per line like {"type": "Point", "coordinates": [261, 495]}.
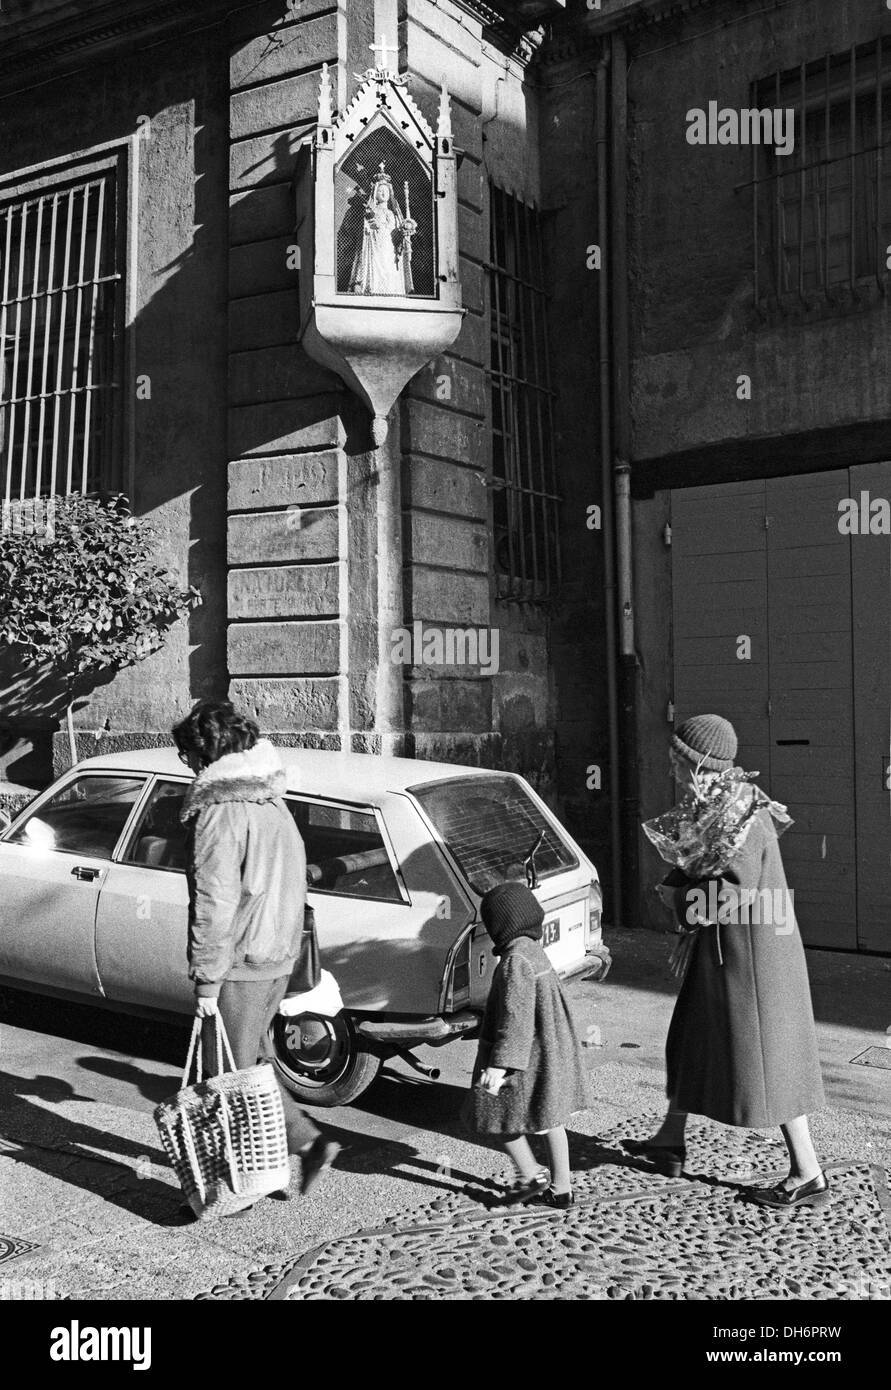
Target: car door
{"type": "Point", "coordinates": [53, 864]}
{"type": "Point", "coordinates": [142, 921]}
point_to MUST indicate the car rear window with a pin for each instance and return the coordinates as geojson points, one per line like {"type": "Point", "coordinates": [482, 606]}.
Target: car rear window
{"type": "Point", "coordinates": [490, 825]}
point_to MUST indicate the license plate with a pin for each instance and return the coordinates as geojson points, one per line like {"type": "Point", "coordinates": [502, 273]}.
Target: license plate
{"type": "Point", "coordinates": [550, 932]}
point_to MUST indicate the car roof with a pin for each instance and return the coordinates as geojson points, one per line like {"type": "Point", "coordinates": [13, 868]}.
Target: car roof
{"type": "Point", "coordinates": [356, 777]}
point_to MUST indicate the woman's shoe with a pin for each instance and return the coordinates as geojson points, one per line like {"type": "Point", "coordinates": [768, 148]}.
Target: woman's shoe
{"type": "Point", "coordinates": [670, 1162]}
{"type": "Point", "coordinates": [561, 1200]}
{"type": "Point", "coordinates": [814, 1193]}
{"type": "Point", "coordinates": [526, 1189]}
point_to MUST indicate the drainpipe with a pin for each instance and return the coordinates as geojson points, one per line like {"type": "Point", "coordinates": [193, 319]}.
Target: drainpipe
{"type": "Point", "coordinates": [389, 693]}
{"type": "Point", "coordinates": [630, 810]}
{"type": "Point", "coordinates": [606, 452]}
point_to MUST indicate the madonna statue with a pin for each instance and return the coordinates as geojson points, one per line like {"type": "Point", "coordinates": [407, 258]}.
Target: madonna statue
{"type": "Point", "coordinates": [382, 264]}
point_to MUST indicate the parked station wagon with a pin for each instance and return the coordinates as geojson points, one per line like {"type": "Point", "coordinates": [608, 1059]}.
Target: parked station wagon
{"type": "Point", "coordinates": [94, 902]}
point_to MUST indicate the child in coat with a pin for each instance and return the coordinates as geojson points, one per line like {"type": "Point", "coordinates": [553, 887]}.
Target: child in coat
{"type": "Point", "coordinates": [528, 1077]}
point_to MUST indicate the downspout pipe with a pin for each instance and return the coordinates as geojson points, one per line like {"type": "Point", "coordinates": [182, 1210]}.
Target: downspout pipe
{"type": "Point", "coordinates": [628, 664]}
{"type": "Point", "coordinates": [601, 136]}
{"type": "Point", "coordinates": [390, 696]}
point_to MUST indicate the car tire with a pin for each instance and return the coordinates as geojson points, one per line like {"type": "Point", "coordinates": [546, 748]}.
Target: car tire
{"type": "Point", "coordinates": [321, 1061]}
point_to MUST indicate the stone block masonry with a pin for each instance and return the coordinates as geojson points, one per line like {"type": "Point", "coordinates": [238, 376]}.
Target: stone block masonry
{"type": "Point", "coordinates": [286, 549]}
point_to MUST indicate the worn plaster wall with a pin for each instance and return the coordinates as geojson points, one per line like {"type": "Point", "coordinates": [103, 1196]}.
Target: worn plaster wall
{"type": "Point", "coordinates": [694, 329]}
{"type": "Point", "coordinates": [177, 344]}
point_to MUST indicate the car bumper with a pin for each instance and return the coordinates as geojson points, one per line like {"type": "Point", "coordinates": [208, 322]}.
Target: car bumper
{"type": "Point", "coordinates": [408, 1032]}
{"type": "Point", "coordinates": [594, 965]}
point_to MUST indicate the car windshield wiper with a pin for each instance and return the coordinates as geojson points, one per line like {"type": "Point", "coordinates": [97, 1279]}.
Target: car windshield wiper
{"type": "Point", "coordinates": [529, 862]}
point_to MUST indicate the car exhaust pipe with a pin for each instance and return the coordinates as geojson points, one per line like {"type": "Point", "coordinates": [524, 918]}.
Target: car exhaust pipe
{"type": "Point", "coordinates": [433, 1073]}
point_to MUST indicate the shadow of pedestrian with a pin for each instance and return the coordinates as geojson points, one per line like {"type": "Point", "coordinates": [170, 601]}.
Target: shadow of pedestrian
{"type": "Point", "coordinates": [107, 1165]}
{"type": "Point", "coordinates": [151, 1085]}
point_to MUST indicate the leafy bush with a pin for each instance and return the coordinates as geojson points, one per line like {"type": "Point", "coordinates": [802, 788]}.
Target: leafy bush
{"type": "Point", "coordinates": [83, 592]}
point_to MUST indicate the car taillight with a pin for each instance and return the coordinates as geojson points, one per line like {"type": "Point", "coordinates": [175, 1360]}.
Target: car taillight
{"type": "Point", "coordinates": [595, 908]}
{"type": "Point", "coordinates": [458, 993]}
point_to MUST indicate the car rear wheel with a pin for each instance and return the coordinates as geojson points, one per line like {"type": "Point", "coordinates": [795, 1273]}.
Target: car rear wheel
{"type": "Point", "coordinates": [322, 1061]}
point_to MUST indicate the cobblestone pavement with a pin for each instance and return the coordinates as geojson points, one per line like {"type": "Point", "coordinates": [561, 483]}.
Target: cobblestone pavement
{"type": "Point", "coordinates": [632, 1235]}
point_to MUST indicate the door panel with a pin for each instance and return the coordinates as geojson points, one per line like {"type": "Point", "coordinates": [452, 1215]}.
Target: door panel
{"type": "Point", "coordinates": [142, 936]}
{"type": "Point", "coordinates": [810, 661]}
{"type": "Point", "coordinates": [142, 923]}
{"type": "Point", "coordinates": [871, 568]}
{"type": "Point", "coordinates": [48, 918]}
{"type": "Point", "coordinates": [51, 873]}
{"type": "Point", "coordinates": [786, 583]}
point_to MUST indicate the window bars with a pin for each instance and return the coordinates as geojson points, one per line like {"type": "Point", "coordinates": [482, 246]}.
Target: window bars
{"type": "Point", "coordinates": [60, 338]}
{"type": "Point", "coordinates": [525, 496]}
{"type": "Point", "coordinates": [822, 216]}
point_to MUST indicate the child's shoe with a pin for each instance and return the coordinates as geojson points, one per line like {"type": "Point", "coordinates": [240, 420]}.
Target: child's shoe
{"type": "Point", "coordinates": [525, 1189]}
{"type": "Point", "coordinates": [561, 1200]}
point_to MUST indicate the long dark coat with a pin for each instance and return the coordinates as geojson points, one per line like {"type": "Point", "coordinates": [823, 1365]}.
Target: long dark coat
{"type": "Point", "coordinates": [742, 1047]}
{"type": "Point", "coordinates": [527, 1029]}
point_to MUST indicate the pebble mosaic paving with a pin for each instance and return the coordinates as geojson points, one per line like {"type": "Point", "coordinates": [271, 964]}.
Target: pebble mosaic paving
{"type": "Point", "coordinates": [632, 1234]}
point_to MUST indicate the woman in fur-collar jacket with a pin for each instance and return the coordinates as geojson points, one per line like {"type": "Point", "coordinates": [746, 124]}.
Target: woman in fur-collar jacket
{"type": "Point", "coordinates": [246, 869]}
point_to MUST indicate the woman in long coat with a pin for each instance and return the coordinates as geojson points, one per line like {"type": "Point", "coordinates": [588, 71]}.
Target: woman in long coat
{"type": "Point", "coordinates": [742, 1047]}
{"type": "Point", "coordinates": [246, 870]}
{"type": "Point", "coordinates": [528, 1077]}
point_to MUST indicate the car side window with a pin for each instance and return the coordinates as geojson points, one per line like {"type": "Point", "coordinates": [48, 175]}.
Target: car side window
{"type": "Point", "coordinates": [345, 851]}
{"type": "Point", "coordinates": [159, 840]}
{"type": "Point", "coordinates": [84, 817]}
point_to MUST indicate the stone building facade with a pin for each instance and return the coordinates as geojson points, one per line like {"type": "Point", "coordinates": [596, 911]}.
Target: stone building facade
{"type": "Point", "coordinates": [759, 409]}
{"type": "Point", "coordinates": [254, 464]}
{"type": "Point", "coordinates": [673, 370]}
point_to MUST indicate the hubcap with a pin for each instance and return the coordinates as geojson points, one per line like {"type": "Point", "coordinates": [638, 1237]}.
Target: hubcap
{"type": "Point", "coordinates": [315, 1051]}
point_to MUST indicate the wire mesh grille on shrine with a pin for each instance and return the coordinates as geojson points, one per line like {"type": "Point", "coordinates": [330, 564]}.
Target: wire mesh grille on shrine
{"type": "Point", "coordinates": [412, 193]}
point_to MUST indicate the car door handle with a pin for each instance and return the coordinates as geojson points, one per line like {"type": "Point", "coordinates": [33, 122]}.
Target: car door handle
{"type": "Point", "coordinates": [85, 873]}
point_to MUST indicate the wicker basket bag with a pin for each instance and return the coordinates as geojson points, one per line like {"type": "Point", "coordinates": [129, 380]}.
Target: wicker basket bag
{"type": "Point", "coordinates": [225, 1136]}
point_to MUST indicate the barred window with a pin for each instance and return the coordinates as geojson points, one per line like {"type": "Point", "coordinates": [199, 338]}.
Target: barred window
{"type": "Point", "coordinates": [525, 497]}
{"type": "Point", "coordinates": [61, 335]}
{"type": "Point", "coordinates": [823, 214]}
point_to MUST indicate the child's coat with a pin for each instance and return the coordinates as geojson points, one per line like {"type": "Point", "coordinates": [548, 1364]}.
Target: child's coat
{"type": "Point", "coordinates": [527, 1029]}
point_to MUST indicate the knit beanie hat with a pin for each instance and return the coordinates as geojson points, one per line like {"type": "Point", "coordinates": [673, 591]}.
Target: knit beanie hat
{"type": "Point", "coordinates": [510, 910]}
{"type": "Point", "coordinates": [708, 741]}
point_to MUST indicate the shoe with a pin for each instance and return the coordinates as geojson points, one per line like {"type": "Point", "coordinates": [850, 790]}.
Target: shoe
{"type": "Point", "coordinates": [526, 1189]}
{"type": "Point", "coordinates": [669, 1162]}
{"type": "Point", "coordinates": [319, 1156]}
{"type": "Point", "coordinates": [242, 1211]}
{"type": "Point", "coordinates": [561, 1200]}
{"type": "Point", "coordinates": [814, 1193]}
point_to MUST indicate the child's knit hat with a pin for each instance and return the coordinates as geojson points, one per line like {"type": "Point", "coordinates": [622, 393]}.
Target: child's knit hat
{"type": "Point", "coordinates": [510, 910]}
{"type": "Point", "coordinates": [707, 740]}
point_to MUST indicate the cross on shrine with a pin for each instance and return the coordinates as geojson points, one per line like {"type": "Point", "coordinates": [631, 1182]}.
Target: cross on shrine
{"type": "Point", "coordinates": [382, 49]}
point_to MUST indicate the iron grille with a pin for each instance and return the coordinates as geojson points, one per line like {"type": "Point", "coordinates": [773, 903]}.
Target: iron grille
{"type": "Point", "coordinates": [60, 338]}
{"type": "Point", "coordinates": [382, 150]}
{"type": "Point", "coordinates": [822, 216]}
{"type": "Point", "coordinates": [526, 499]}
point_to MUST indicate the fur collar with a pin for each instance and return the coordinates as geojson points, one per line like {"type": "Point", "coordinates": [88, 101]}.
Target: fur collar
{"type": "Point", "coordinates": [255, 775]}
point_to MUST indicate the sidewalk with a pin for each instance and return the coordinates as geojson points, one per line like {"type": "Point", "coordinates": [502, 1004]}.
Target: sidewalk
{"type": "Point", "coordinates": [87, 1186]}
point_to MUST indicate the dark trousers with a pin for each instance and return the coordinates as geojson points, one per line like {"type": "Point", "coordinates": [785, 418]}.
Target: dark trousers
{"type": "Point", "coordinates": [247, 1008]}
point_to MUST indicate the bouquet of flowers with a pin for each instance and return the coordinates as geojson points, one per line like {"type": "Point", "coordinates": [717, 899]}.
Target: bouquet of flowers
{"type": "Point", "coordinates": [705, 832]}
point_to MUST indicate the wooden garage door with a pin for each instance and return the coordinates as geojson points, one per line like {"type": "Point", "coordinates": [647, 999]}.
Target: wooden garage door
{"type": "Point", "coordinates": [871, 606]}
{"type": "Point", "coordinates": [765, 560]}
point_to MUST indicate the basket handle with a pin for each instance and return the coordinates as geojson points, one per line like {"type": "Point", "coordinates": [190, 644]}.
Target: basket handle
{"type": "Point", "coordinates": [189, 1145]}
{"type": "Point", "coordinates": [223, 1046]}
